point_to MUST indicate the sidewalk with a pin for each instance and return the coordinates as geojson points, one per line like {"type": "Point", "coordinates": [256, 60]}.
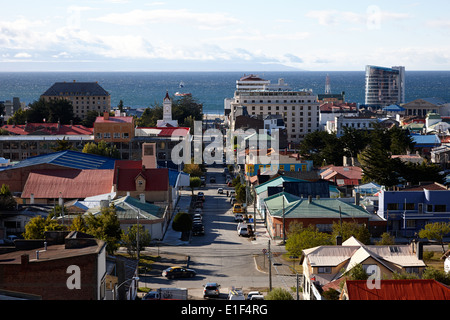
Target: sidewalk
{"type": "Point", "coordinates": [171, 237]}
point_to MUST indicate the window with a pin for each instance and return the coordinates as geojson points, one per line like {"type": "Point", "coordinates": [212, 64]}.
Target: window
{"type": "Point", "coordinates": [410, 206]}
{"type": "Point", "coordinates": [440, 208]}
{"type": "Point", "coordinates": [324, 270]}
{"type": "Point", "coordinates": [392, 206]}
{"type": "Point", "coordinates": [126, 135]}
{"type": "Point", "coordinates": [116, 135]}
{"type": "Point", "coordinates": [107, 135]}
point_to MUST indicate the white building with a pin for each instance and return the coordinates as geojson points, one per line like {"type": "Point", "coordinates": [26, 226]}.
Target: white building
{"type": "Point", "coordinates": [339, 123]}
{"type": "Point", "coordinates": [299, 108]}
{"type": "Point", "coordinates": [167, 114]}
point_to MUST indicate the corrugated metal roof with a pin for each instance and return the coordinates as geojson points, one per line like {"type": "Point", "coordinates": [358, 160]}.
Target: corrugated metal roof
{"type": "Point", "coordinates": [68, 184]}
{"type": "Point", "coordinates": [418, 289]}
{"type": "Point", "coordinates": [128, 208]}
{"type": "Point", "coordinates": [71, 159]}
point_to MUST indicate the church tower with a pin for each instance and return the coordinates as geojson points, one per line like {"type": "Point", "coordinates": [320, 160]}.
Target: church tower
{"type": "Point", "coordinates": [167, 113]}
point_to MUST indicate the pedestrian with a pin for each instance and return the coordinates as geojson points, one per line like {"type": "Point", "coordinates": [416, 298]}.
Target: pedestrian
{"type": "Point", "coordinates": [227, 193]}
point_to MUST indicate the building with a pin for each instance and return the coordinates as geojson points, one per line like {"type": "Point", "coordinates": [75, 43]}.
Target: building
{"type": "Point", "coordinates": [329, 111]}
{"type": "Point", "coordinates": [384, 86]}
{"type": "Point", "coordinates": [84, 96]}
{"type": "Point", "coordinates": [167, 120]}
{"type": "Point", "coordinates": [318, 212]}
{"type": "Point", "coordinates": [53, 186]}
{"type": "Point", "coordinates": [408, 211]}
{"type": "Point", "coordinates": [299, 108]}
{"type": "Point", "coordinates": [12, 107]}
{"type": "Point", "coordinates": [16, 176]}
{"type": "Point", "coordinates": [391, 290]}
{"type": "Point", "coordinates": [421, 107]}
{"type": "Point", "coordinates": [342, 121]}
{"type": "Point", "coordinates": [114, 129]}
{"type": "Point", "coordinates": [346, 177]}
{"type": "Point", "coordinates": [327, 264]}
{"type": "Point", "coordinates": [34, 139]}
{"type": "Point", "coordinates": [64, 266]}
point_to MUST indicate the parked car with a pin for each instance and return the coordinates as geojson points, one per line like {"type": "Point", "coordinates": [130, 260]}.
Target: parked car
{"type": "Point", "coordinates": [242, 230]}
{"type": "Point", "coordinates": [232, 193]}
{"type": "Point", "coordinates": [212, 180]}
{"type": "Point", "coordinates": [198, 229]}
{"type": "Point", "coordinates": [233, 200]}
{"type": "Point", "coordinates": [198, 211]}
{"type": "Point", "coordinates": [178, 272]}
{"type": "Point", "coordinates": [211, 289]}
{"type": "Point", "coordinates": [239, 217]}
{"type": "Point", "coordinates": [197, 216]}
{"type": "Point", "coordinates": [237, 208]}
{"type": "Point", "coordinates": [220, 191]}
{"type": "Point", "coordinates": [253, 293]}
{"type": "Point", "coordinates": [201, 196]}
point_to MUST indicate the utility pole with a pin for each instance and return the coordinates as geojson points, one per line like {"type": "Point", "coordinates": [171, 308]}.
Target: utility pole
{"type": "Point", "coordinates": [270, 267]}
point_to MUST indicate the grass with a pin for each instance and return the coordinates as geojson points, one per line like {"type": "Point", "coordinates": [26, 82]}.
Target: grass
{"type": "Point", "coordinates": [433, 259]}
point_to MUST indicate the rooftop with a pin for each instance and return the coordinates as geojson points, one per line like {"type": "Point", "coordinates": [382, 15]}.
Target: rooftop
{"type": "Point", "coordinates": [47, 129]}
{"type": "Point", "coordinates": [76, 89]}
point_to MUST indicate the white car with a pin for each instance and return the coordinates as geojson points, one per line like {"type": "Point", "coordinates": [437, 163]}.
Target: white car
{"type": "Point", "coordinates": [220, 191]}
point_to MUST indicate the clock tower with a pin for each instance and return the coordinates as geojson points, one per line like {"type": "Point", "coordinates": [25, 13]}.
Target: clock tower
{"type": "Point", "coordinates": [167, 113]}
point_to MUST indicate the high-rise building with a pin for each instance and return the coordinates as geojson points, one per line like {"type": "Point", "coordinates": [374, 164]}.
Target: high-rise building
{"type": "Point", "coordinates": [298, 108]}
{"type": "Point", "coordinates": [384, 86]}
{"type": "Point", "coordinates": [84, 96]}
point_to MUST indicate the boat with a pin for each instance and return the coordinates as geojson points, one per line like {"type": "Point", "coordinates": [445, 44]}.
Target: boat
{"type": "Point", "coordinates": [180, 94]}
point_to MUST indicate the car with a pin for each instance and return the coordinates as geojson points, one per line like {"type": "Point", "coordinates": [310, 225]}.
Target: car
{"type": "Point", "coordinates": [212, 180]}
{"type": "Point", "coordinates": [201, 196]}
{"type": "Point", "coordinates": [197, 216]}
{"type": "Point", "coordinates": [239, 217]}
{"type": "Point", "coordinates": [198, 211]}
{"type": "Point", "coordinates": [198, 229]}
{"type": "Point", "coordinates": [232, 193]}
{"type": "Point", "coordinates": [178, 272]}
{"type": "Point", "coordinates": [242, 231]}
{"type": "Point", "coordinates": [220, 191]}
{"type": "Point", "coordinates": [233, 200]}
{"type": "Point", "coordinates": [237, 208]}
{"type": "Point", "coordinates": [211, 289]}
{"type": "Point", "coordinates": [253, 293]}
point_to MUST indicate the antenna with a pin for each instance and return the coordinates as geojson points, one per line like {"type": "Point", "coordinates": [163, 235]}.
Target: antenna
{"type": "Point", "coordinates": [327, 85]}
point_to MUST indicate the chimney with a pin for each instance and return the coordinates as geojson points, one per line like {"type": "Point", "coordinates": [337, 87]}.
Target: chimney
{"type": "Point", "coordinates": [32, 198]}
{"type": "Point", "coordinates": [106, 115]}
{"type": "Point", "coordinates": [357, 196]}
{"type": "Point", "coordinates": [24, 259]}
{"type": "Point", "coordinates": [309, 199]}
{"type": "Point", "coordinates": [149, 155]}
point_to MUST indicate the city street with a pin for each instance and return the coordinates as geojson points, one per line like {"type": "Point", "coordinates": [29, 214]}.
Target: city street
{"type": "Point", "coordinates": [220, 255]}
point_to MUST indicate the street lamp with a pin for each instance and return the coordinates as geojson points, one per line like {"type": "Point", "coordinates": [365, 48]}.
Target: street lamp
{"type": "Point", "coordinates": [117, 287]}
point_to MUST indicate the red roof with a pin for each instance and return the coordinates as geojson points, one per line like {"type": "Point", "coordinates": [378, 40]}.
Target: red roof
{"type": "Point", "coordinates": [47, 129]}
{"type": "Point", "coordinates": [169, 131]}
{"type": "Point", "coordinates": [126, 172]}
{"type": "Point", "coordinates": [69, 184]}
{"type": "Point", "coordinates": [112, 119]}
{"type": "Point", "coordinates": [418, 289]}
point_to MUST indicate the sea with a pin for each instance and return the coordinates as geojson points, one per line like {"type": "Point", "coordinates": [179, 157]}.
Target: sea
{"type": "Point", "coordinates": [146, 89]}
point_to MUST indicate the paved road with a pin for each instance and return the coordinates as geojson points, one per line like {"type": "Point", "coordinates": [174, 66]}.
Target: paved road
{"type": "Point", "coordinates": [221, 255]}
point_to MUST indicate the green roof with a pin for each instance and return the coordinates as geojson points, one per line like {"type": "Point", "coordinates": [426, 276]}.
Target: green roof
{"type": "Point", "coordinates": [128, 207]}
{"type": "Point", "coordinates": [318, 208]}
{"type": "Point", "coordinates": [275, 183]}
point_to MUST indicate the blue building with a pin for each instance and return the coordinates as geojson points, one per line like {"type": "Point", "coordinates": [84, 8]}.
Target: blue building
{"type": "Point", "coordinates": [408, 211]}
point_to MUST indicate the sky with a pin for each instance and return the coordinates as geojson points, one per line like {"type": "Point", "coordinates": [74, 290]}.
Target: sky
{"type": "Point", "coordinates": [228, 35]}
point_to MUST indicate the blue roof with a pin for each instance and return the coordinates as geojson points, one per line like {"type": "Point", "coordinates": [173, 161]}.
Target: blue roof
{"type": "Point", "coordinates": [393, 108]}
{"type": "Point", "coordinates": [71, 159]}
{"type": "Point", "coordinates": [422, 140]}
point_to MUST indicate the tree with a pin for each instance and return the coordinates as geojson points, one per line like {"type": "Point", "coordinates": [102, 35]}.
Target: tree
{"type": "Point", "coordinates": [79, 224]}
{"type": "Point", "coordinates": [36, 227]}
{"type": "Point", "coordinates": [279, 294]}
{"type": "Point", "coordinates": [386, 239]}
{"type": "Point", "coordinates": [7, 201]}
{"type": "Point", "coordinates": [438, 275]}
{"type": "Point", "coordinates": [194, 182]}
{"type": "Point", "coordinates": [350, 229]}
{"type": "Point", "coordinates": [63, 145]}
{"type": "Point", "coordinates": [182, 222]}
{"type": "Point", "coordinates": [436, 231]}
{"type": "Point", "coordinates": [306, 238]}
{"type": "Point", "coordinates": [102, 149]}
{"type": "Point", "coordinates": [357, 273]}
{"type": "Point", "coordinates": [130, 238]}
{"type": "Point", "coordinates": [105, 226]}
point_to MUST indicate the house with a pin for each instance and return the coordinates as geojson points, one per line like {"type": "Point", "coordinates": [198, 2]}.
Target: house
{"type": "Point", "coordinates": [131, 211]}
{"type": "Point", "coordinates": [424, 143]}
{"type": "Point", "coordinates": [344, 177]}
{"type": "Point", "coordinates": [64, 266]}
{"type": "Point", "coordinates": [16, 176]}
{"type": "Point", "coordinates": [407, 289]}
{"type": "Point", "coordinates": [441, 156]}
{"type": "Point", "coordinates": [407, 211]}
{"type": "Point", "coordinates": [114, 129]}
{"type": "Point", "coordinates": [54, 185]}
{"type": "Point", "coordinates": [284, 163]}
{"type": "Point", "coordinates": [325, 264]}
{"type": "Point", "coordinates": [321, 213]}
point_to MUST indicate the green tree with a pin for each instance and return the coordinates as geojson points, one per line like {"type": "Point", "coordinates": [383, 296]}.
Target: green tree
{"type": "Point", "coordinates": [357, 273]}
{"type": "Point", "coordinates": [63, 145]}
{"type": "Point", "coordinates": [321, 146]}
{"type": "Point", "coordinates": [194, 182]}
{"type": "Point", "coordinates": [386, 239]}
{"type": "Point", "coordinates": [7, 201]}
{"type": "Point", "coordinates": [36, 227]}
{"type": "Point", "coordinates": [105, 226]}
{"type": "Point", "coordinates": [102, 149]}
{"type": "Point", "coordinates": [435, 231]}
{"type": "Point", "coordinates": [90, 118]}
{"type": "Point", "coordinates": [306, 238]}
{"type": "Point", "coordinates": [182, 222]}
{"type": "Point", "coordinates": [130, 239]}
{"type": "Point", "coordinates": [279, 294]}
{"type": "Point", "coordinates": [438, 275]}
{"type": "Point", "coordinates": [349, 229]}
{"type": "Point", "coordinates": [79, 224]}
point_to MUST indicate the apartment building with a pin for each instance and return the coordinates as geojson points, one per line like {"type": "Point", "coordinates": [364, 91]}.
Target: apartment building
{"type": "Point", "coordinates": [299, 108]}
{"type": "Point", "coordinates": [84, 96]}
{"type": "Point", "coordinates": [384, 86]}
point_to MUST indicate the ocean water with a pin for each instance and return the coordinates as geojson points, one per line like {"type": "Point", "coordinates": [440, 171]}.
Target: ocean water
{"type": "Point", "coordinates": [144, 89]}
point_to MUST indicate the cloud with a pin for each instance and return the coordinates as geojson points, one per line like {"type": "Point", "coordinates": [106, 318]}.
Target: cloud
{"type": "Point", "coordinates": [162, 16]}
{"type": "Point", "coordinates": [22, 55]}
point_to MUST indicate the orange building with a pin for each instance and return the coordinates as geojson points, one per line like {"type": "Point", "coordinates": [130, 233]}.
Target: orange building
{"type": "Point", "coordinates": [113, 129]}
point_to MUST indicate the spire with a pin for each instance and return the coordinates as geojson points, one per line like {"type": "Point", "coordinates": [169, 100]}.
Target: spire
{"type": "Point", "coordinates": [167, 95]}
